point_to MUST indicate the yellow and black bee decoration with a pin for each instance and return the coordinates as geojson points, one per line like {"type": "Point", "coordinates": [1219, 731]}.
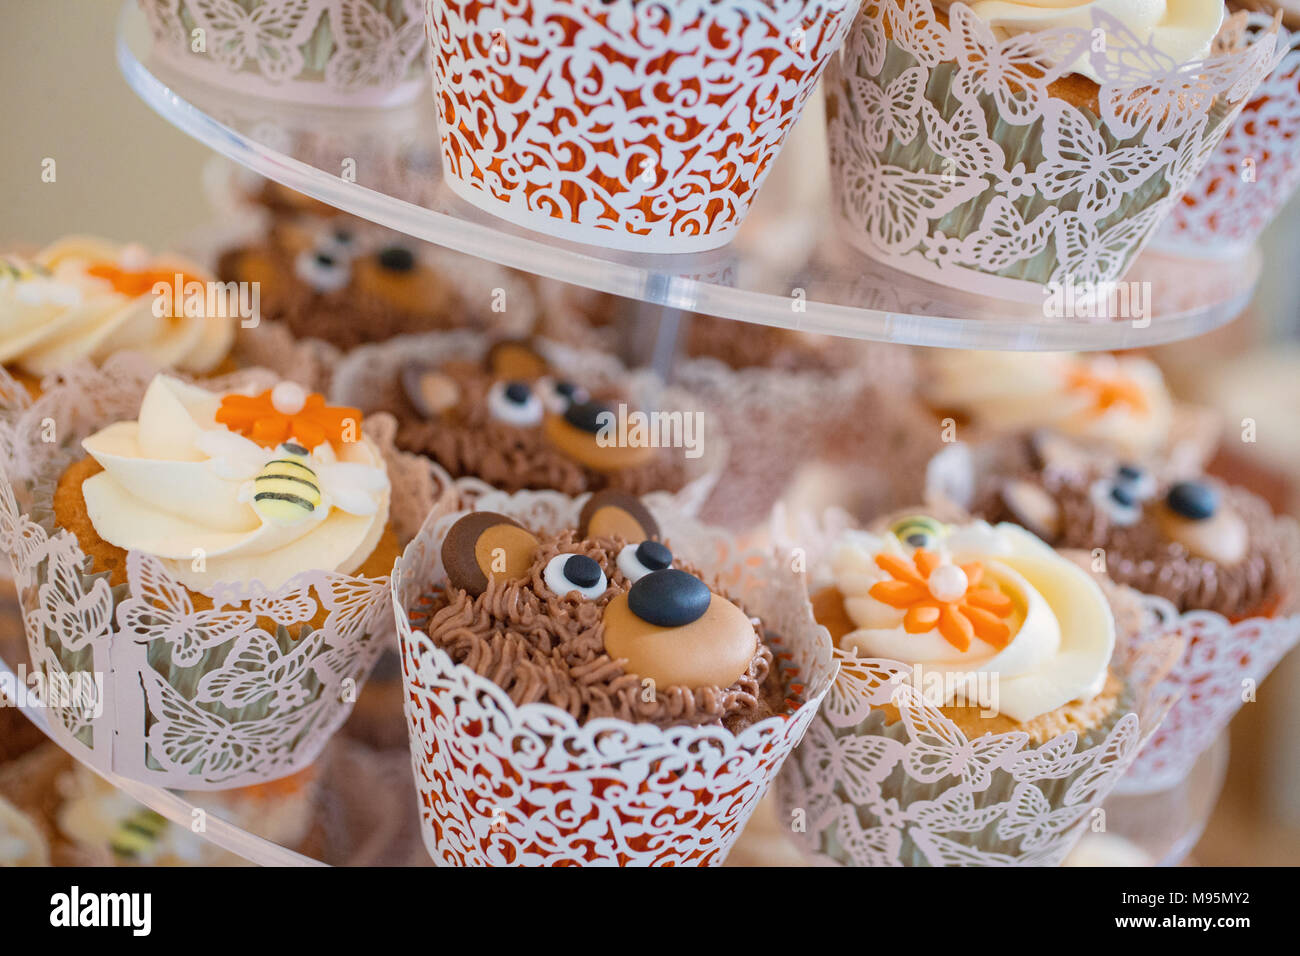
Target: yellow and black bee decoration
{"type": "Point", "coordinates": [287, 489]}
{"type": "Point", "coordinates": [136, 835]}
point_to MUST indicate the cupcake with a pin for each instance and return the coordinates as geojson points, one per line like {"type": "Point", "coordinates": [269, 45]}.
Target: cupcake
{"type": "Point", "coordinates": [219, 557]}
{"type": "Point", "coordinates": [645, 126]}
{"type": "Point", "coordinates": [978, 716]}
{"type": "Point", "coordinates": [86, 299]}
{"type": "Point", "coordinates": [1098, 407]}
{"type": "Point", "coordinates": [580, 690]}
{"type": "Point", "coordinates": [1254, 171]}
{"type": "Point", "coordinates": [347, 283]}
{"type": "Point", "coordinates": [1217, 567]}
{"type": "Point", "coordinates": [515, 415]}
{"type": "Point", "coordinates": [349, 53]}
{"type": "Point", "coordinates": [998, 148]}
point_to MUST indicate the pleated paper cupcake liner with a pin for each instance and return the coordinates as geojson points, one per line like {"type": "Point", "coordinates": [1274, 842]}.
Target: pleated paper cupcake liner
{"type": "Point", "coordinates": [506, 784]}
{"type": "Point", "coordinates": [167, 691]}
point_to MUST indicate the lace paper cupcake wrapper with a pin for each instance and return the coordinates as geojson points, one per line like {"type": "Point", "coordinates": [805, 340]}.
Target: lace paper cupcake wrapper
{"type": "Point", "coordinates": [646, 126]}
{"type": "Point", "coordinates": [333, 52]}
{"type": "Point", "coordinates": [1252, 174]}
{"type": "Point", "coordinates": [501, 784]}
{"type": "Point", "coordinates": [246, 691]}
{"type": "Point", "coordinates": [371, 375]}
{"type": "Point", "coordinates": [951, 162]}
{"type": "Point", "coordinates": [916, 791]}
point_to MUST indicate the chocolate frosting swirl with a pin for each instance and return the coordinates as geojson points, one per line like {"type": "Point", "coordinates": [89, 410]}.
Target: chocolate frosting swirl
{"type": "Point", "coordinates": [540, 647]}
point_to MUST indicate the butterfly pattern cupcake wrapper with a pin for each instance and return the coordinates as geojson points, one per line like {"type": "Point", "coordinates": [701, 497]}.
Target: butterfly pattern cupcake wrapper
{"type": "Point", "coordinates": [193, 699]}
{"type": "Point", "coordinates": [331, 52]}
{"type": "Point", "coordinates": [949, 162]}
{"type": "Point", "coordinates": [502, 784]}
{"type": "Point", "coordinates": [1252, 174]}
{"type": "Point", "coordinates": [919, 792]}
{"type": "Point", "coordinates": [646, 126]}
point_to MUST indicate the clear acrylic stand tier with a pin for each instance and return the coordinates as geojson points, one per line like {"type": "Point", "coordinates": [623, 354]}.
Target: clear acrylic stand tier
{"type": "Point", "coordinates": [785, 268]}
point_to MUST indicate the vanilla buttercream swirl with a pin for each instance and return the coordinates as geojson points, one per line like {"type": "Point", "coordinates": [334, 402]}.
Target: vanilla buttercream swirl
{"type": "Point", "coordinates": [540, 647]}
{"type": "Point", "coordinates": [1182, 30]}
{"type": "Point", "coordinates": [1118, 402]}
{"type": "Point", "coordinates": [55, 311]}
{"type": "Point", "coordinates": [161, 492]}
{"type": "Point", "coordinates": [1060, 630]}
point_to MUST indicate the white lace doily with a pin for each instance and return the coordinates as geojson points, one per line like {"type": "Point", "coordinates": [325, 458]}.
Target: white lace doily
{"type": "Point", "coordinates": [506, 784]}
{"type": "Point", "coordinates": [645, 126]}
{"type": "Point", "coordinates": [333, 52]}
{"type": "Point", "coordinates": [1252, 174]}
{"type": "Point", "coordinates": [371, 376]}
{"type": "Point", "coordinates": [919, 792]}
{"type": "Point", "coordinates": [1059, 195]}
{"type": "Point", "coordinates": [191, 698]}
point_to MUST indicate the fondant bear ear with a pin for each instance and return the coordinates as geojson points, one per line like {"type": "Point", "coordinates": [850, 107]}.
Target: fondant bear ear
{"type": "Point", "coordinates": [485, 545]}
{"type": "Point", "coordinates": [429, 391]}
{"type": "Point", "coordinates": [516, 360]}
{"type": "Point", "coordinates": [616, 514]}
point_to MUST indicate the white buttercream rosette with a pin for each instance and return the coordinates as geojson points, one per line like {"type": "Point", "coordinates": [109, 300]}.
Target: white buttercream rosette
{"type": "Point", "coordinates": [951, 160]}
{"type": "Point", "coordinates": [372, 375]}
{"type": "Point", "coordinates": [860, 791]}
{"type": "Point", "coordinates": [239, 693]}
{"type": "Point", "coordinates": [646, 126]}
{"type": "Point", "coordinates": [328, 52]}
{"type": "Point", "coordinates": [500, 783]}
{"type": "Point", "coordinates": [1252, 174]}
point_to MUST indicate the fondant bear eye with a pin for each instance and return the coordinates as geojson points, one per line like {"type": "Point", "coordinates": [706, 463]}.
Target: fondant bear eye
{"type": "Point", "coordinates": [1116, 500]}
{"type": "Point", "coordinates": [559, 394]}
{"type": "Point", "coordinates": [323, 269]}
{"type": "Point", "coordinates": [638, 560]}
{"type": "Point", "coordinates": [575, 572]}
{"type": "Point", "coordinates": [1193, 500]}
{"type": "Point", "coordinates": [918, 531]}
{"type": "Point", "coordinates": [1137, 481]}
{"type": "Point", "coordinates": [339, 241]}
{"type": "Point", "coordinates": [395, 259]}
{"type": "Point", "coordinates": [515, 403]}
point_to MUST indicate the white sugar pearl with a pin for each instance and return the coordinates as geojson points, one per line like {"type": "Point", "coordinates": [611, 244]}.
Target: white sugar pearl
{"type": "Point", "coordinates": [133, 257]}
{"type": "Point", "coordinates": [288, 398]}
{"type": "Point", "coordinates": [948, 582]}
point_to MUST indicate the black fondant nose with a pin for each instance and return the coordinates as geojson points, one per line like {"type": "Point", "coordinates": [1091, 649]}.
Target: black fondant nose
{"type": "Point", "coordinates": [653, 555]}
{"type": "Point", "coordinates": [586, 415]}
{"type": "Point", "coordinates": [397, 259]}
{"type": "Point", "coordinates": [1123, 495]}
{"type": "Point", "coordinates": [669, 598]}
{"type": "Point", "coordinates": [325, 259]}
{"type": "Point", "coordinates": [518, 392]}
{"type": "Point", "coordinates": [1193, 499]}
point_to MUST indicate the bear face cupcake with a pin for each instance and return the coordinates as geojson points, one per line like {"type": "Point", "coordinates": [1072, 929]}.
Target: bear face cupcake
{"type": "Point", "coordinates": [601, 621]}
{"type": "Point", "coordinates": [631, 678]}
{"type": "Point", "coordinates": [531, 415]}
{"type": "Point", "coordinates": [86, 299]}
{"type": "Point", "coordinates": [1198, 543]}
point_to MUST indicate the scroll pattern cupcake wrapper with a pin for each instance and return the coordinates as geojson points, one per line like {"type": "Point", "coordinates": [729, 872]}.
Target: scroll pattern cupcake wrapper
{"type": "Point", "coordinates": [919, 792]}
{"type": "Point", "coordinates": [1221, 668]}
{"type": "Point", "coordinates": [500, 784]}
{"type": "Point", "coordinates": [1252, 174]}
{"type": "Point", "coordinates": [645, 126]}
{"type": "Point", "coordinates": [371, 375]}
{"type": "Point", "coordinates": [951, 162]}
{"type": "Point", "coordinates": [200, 699]}
{"type": "Point", "coordinates": [334, 52]}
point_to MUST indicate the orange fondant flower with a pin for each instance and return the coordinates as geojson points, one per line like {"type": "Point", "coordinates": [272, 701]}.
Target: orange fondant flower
{"type": "Point", "coordinates": [289, 412]}
{"type": "Point", "coordinates": [1105, 392]}
{"type": "Point", "coordinates": [937, 594]}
